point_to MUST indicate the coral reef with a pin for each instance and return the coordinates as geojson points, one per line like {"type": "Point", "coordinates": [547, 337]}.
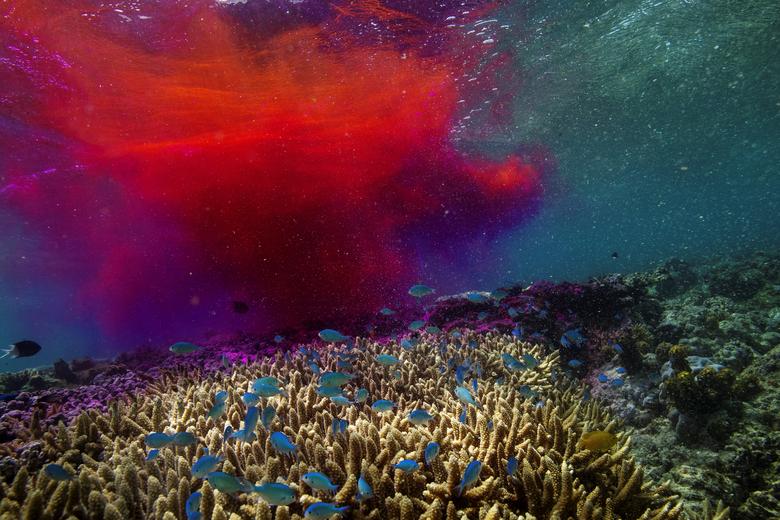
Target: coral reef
{"type": "Point", "coordinates": [556, 478]}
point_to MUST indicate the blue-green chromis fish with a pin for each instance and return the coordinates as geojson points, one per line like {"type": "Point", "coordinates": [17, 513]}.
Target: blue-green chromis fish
{"type": "Point", "coordinates": [335, 379]}
{"type": "Point", "coordinates": [282, 443]}
{"type": "Point", "coordinates": [267, 417]}
{"type": "Point", "coordinates": [407, 465]}
{"type": "Point", "coordinates": [276, 494]}
{"type": "Point", "coordinates": [323, 511]}
{"type": "Point", "coordinates": [416, 325]}
{"type": "Point", "coordinates": [328, 391]}
{"type": "Point", "coordinates": [184, 439]}
{"type": "Point", "coordinates": [470, 476]}
{"type": "Point", "coordinates": [431, 452]}
{"type": "Point", "coordinates": [57, 472]}
{"type": "Point", "coordinates": [221, 396]}
{"type": "Point", "coordinates": [319, 481]}
{"type": "Point", "coordinates": [465, 396]}
{"type": "Point", "coordinates": [183, 347]}
{"type": "Point", "coordinates": [420, 290]}
{"type": "Point", "coordinates": [382, 405]}
{"type": "Point", "coordinates": [205, 465]}
{"type": "Point", "coordinates": [387, 360]}
{"type": "Point", "coordinates": [157, 440]}
{"type": "Point", "coordinates": [364, 490]}
{"type": "Point", "coordinates": [361, 395]}
{"type": "Point", "coordinates": [332, 336]}
{"type": "Point", "coordinates": [419, 417]}
{"type": "Point", "coordinates": [152, 454]}
{"type": "Point", "coordinates": [192, 506]}
{"type": "Point", "coordinates": [250, 399]}
{"type": "Point", "coordinates": [217, 410]}
{"type": "Point", "coordinates": [340, 400]}
{"type": "Point", "coordinates": [226, 482]}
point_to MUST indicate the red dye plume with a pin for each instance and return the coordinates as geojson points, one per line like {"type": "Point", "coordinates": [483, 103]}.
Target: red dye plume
{"type": "Point", "coordinates": [296, 170]}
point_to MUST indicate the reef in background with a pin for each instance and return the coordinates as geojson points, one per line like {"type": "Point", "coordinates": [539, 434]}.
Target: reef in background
{"type": "Point", "coordinates": [684, 357]}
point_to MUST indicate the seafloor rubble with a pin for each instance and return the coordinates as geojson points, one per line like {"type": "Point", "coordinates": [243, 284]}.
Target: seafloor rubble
{"type": "Point", "coordinates": [681, 360]}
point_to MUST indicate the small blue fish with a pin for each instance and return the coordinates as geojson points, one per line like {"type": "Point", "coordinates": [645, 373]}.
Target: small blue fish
{"type": "Point", "coordinates": [225, 361]}
{"type": "Point", "coordinates": [572, 338]}
{"type": "Point", "coordinates": [278, 338]}
{"type": "Point", "coordinates": [470, 476]}
{"type": "Point", "coordinates": [314, 368]}
{"type": "Point", "coordinates": [57, 472]}
{"type": "Point", "coordinates": [268, 380]}
{"type": "Point", "coordinates": [335, 378]}
{"type": "Point", "coordinates": [157, 440]}
{"type": "Point", "coordinates": [386, 312]}
{"type": "Point", "coordinates": [192, 506]}
{"type": "Point", "coordinates": [323, 511]}
{"type": "Point", "coordinates": [183, 347]}
{"type": "Point", "coordinates": [184, 439]}
{"type": "Point", "coordinates": [205, 465]}
{"type": "Point", "coordinates": [586, 395]}
{"type": "Point", "coordinates": [226, 482]}
{"type": "Point", "coordinates": [407, 465]}
{"type": "Point", "coordinates": [475, 385]}
{"type": "Point", "coordinates": [617, 348]}
{"type": "Point", "coordinates": [328, 391]}
{"type": "Point", "coordinates": [511, 465]}
{"type": "Point", "coordinates": [499, 294]}
{"type": "Point", "coordinates": [340, 400]}
{"type": "Point", "coordinates": [482, 315]}
{"type": "Point", "coordinates": [463, 415]}
{"type": "Point", "coordinates": [267, 417]}
{"type": "Point", "coordinates": [406, 344]}
{"type": "Point", "coordinates": [339, 426]}
{"type": "Point", "coordinates": [517, 332]}
{"type": "Point", "coordinates": [602, 378]}
{"type": "Point", "coordinates": [382, 405]}
{"type": "Point", "coordinates": [332, 336]}
{"type": "Point", "coordinates": [387, 360]}
{"type": "Point", "coordinates": [364, 490]}
{"type": "Point", "coordinates": [527, 392]}
{"type": "Point", "coordinates": [617, 382]}
{"type": "Point", "coordinates": [319, 481]}
{"type": "Point", "coordinates": [419, 417]}
{"type": "Point", "coordinates": [251, 418]}
{"type": "Point", "coordinates": [217, 410]}
{"type": "Point", "coordinates": [475, 297]}
{"type": "Point", "coordinates": [152, 454]}
{"type": "Point", "coordinates": [361, 395]}
{"type": "Point", "coordinates": [265, 390]}
{"type": "Point", "coordinates": [512, 363]}
{"type": "Point", "coordinates": [460, 374]}
{"type": "Point", "coordinates": [250, 399]}
{"type": "Point", "coordinates": [283, 444]}
{"type": "Point", "coordinates": [420, 291]}
{"type": "Point", "coordinates": [512, 312]}
{"type": "Point", "coordinates": [343, 364]}
{"type": "Point", "coordinates": [465, 396]}
{"type": "Point", "coordinates": [431, 452]}
{"type": "Point", "coordinates": [275, 493]}
{"type": "Point", "coordinates": [221, 396]}
{"type": "Point", "coordinates": [620, 370]}
{"type": "Point", "coordinates": [432, 329]}
{"type": "Point", "coordinates": [574, 363]}
{"type": "Point", "coordinates": [227, 434]}
{"type": "Point", "coordinates": [530, 361]}
{"type": "Point", "coordinates": [416, 325]}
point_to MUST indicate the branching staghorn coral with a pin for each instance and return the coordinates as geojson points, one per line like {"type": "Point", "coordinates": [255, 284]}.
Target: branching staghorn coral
{"type": "Point", "coordinates": [555, 477]}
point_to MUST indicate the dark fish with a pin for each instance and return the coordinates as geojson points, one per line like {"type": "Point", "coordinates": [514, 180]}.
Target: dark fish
{"type": "Point", "coordinates": [24, 348]}
{"type": "Point", "coordinates": [240, 307]}
{"type": "Point", "coordinates": [614, 254]}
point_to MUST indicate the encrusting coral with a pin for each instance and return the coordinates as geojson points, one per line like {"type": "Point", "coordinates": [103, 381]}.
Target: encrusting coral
{"type": "Point", "coordinates": [555, 477]}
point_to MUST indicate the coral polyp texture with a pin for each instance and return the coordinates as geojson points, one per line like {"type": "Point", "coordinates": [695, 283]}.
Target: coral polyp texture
{"type": "Point", "coordinates": [541, 427]}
